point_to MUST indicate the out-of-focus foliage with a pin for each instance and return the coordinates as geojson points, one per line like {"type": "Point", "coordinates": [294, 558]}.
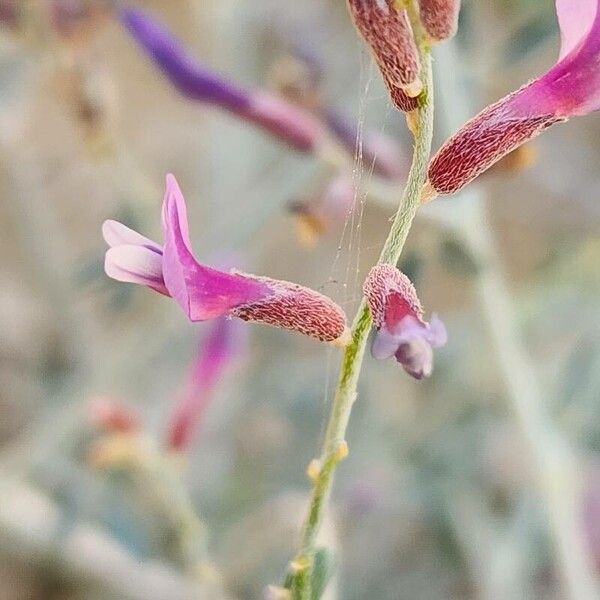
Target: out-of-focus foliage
{"type": "Point", "coordinates": [436, 499]}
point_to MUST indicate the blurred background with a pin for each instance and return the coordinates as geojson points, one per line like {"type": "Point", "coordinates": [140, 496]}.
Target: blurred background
{"type": "Point", "coordinates": [441, 495]}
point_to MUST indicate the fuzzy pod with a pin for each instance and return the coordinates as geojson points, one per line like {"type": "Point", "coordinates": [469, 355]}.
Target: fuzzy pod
{"type": "Point", "coordinates": [570, 88]}
{"type": "Point", "coordinates": [398, 318]}
{"type": "Point", "coordinates": [440, 18]}
{"type": "Point", "coordinates": [481, 142]}
{"type": "Point", "coordinates": [388, 33]}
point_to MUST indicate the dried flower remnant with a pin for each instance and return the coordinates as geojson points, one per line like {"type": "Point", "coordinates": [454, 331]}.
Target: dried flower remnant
{"type": "Point", "coordinates": [570, 88]}
{"type": "Point", "coordinates": [440, 18]}
{"type": "Point", "coordinates": [398, 318]}
{"type": "Point", "coordinates": [111, 416]}
{"type": "Point", "coordinates": [315, 216]}
{"type": "Point", "coordinates": [206, 293]}
{"type": "Point", "coordinates": [217, 351]}
{"type": "Point", "coordinates": [387, 31]}
{"type": "Point", "coordinates": [292, 125]}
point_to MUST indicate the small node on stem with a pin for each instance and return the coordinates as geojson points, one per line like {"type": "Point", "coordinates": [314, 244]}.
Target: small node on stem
{"type": "Point", "coordinates": [428, 193]}
{"type": "Point", "coordinates": [342, 451]}
{"type": "Point", "coordinates": [344, 339]}
{"type": "Point", "coordinates": [299, 564]}
{"type": "Point", "coordinates": [414, 89]}
{"type": "Point", "coordinates": [314, 469]}
{"type": "Point", "coordinates": [412, 122]}
{"type": "Point", "coordinates": [277, 593]}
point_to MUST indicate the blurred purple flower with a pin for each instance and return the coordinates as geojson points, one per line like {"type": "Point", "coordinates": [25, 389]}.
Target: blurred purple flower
{"type": "Point", "coordinates": [216, 353]}
{"type": "Point", "coordinates": [205, 293]}
{"type": "Point", "coordinates": [570, 88]}
{"type": "Point", "coordinates": [398, 318]}
{"type": "Point", "coordinates": [292, 125]}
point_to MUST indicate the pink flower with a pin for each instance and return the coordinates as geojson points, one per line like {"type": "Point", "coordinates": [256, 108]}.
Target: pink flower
{"type": "Point", "coordinates": [440, 18]}
{"type": "Point", "coordinates": [205, 293]}
{"type": "Point", "coordinates": [398, 318]}
{"type": "Point", "coordinates": [388, 32]}
{"type": "Point", "coordinates": [216, 353]}
{"type": "Point", "coordinates": [570, 88]}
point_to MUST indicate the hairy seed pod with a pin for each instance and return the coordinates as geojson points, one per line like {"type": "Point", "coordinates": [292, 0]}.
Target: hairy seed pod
{"type": "Point", "coordinates": [388, 33]}
{"type": "Point", "coordinates": [440, 18]}
{"type": "Point", "coordinates": [481, 142]}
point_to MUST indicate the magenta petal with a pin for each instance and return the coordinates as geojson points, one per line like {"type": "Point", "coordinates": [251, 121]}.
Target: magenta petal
{"type": "Point", "coordinates": [203, 293]}
{"type": "Point", "coordinates": [117, 234]}
{"type": "Point", "coordinates": [575, 19]}
{"type": "Point", "coordinates": [135, 264]}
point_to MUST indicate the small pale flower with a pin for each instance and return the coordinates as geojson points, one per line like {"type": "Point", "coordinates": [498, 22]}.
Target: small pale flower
{"type": "Point", "coordinates": [398, 318]}
{"type": "Point", "coordinates": [570, 88]}
{"type": "Point", "coordinates": [440, 18]}
{"type": "Point", "coordinates": [206, 293]}
{"type": "Point", "coordinates": [387, 31]}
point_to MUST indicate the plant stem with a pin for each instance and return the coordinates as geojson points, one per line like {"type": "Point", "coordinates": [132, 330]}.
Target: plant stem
{"type": "Point", "coordinates": [333, 450]}
{"type": "Point", "coordinates": [554, 461]}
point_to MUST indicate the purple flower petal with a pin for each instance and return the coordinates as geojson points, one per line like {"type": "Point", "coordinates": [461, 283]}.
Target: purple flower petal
{"type": "Point", "coordinates": [384, 345]}
{"type": "Point", "coordinates": [437, 335]}
{"type": "Point", "coordinates": [416, 356]}
{"type": "Point", "coordinates": [203, 293]}
{"type": "Point", "coordinates": [289, 123]}
{"type": "Point", "coordinates": [575, 20]}
{"type": "Point", "coordinates": [185, 73]}
{"type": "Point", "coordinates": [117, 234]}
{"type": "Point", "coordinates": [223, 343]}
{"type": "Point", "coordinates": [135, 264]}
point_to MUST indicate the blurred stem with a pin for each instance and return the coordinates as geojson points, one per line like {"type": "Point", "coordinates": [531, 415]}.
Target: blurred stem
{"type": "Point", "coordinates": [334, 447]}
{"type": "Point", "coordinates": [553, 461]}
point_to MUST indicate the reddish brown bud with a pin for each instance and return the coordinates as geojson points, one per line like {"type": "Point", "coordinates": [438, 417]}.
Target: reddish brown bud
{"type": "Point", "coordinates": [389, 34]}
{"type": "Point", "coordinates": [440, 18]}
{"type": "Point", "coordinates": [401, 100]}
{"type": "Point", "coordinates": [482, 141]}
{"type": "Point", "coordinates": [385, 282]}
{"type": "Point", "coordinates": [297, 308]}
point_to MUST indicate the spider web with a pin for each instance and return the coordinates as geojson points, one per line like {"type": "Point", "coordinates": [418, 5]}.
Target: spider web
{"type": "Point", "coordinates": [345, 267]}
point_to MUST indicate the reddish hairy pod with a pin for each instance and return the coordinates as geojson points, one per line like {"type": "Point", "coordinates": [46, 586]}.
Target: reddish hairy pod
{"type": "Point", "coordinates": [440, 18]}
{"type": "Point", "coordinates": [481, 142]}
{"type": "Point", "coordinates": [389, 34]}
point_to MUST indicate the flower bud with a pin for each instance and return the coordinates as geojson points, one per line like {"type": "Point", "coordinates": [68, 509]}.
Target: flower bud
{"type": "Point", "coordinates": [482, 141]}
{"type": "Point", "coordinates": [440, 18]}
{"type": "Point", "coordinates": [389, 34]}
{"type": "Point", "coordinates": [398, 318]}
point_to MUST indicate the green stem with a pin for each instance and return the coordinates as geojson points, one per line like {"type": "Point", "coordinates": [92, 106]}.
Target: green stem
{"type": "Point", "coordinates": [333, 445]}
